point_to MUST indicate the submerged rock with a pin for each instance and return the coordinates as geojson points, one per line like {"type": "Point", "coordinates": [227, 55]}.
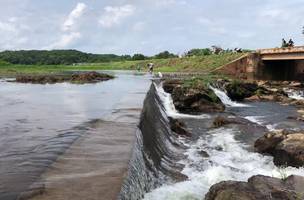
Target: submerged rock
{"type": "Point", "coordinates": [222, 121]}
{"type": "Point", "coordinates": [179, 127]}
{"type": "Point", "coordinates": [286, 148]}
{"type": "Point", "coordinates": [86, 77]}
{"type": "Point", "coordinates": [259, 188]}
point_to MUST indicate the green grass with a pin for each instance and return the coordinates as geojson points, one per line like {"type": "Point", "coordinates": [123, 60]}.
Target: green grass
{"type": "Point", "coordinates": [193, 64]}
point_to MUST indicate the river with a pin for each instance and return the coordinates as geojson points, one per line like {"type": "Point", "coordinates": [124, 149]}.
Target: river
{"type": "Point", "coordinates": [38, 123]}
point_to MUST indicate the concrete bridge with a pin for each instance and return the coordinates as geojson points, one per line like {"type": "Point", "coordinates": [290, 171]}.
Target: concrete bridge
{"type": "Point", "coordinates": [269, 64]}
{"type": "Point", "coordinates": [290, 53]}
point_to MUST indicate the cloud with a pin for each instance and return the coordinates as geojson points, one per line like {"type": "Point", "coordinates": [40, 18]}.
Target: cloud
{"type": "Point", "coordinates": [65, 40]}
{"type": "Point", "coordinates": [115, 15]}
{"type": "Point", "coordinates": [69, 35]}
{"type": "Point", "coordinates": [12, 33]}
{"type": "Point", "coordinates": [78, 11]}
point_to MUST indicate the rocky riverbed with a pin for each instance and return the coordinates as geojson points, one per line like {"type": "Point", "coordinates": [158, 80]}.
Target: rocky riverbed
{"type": "Point", "coordinates": [283, 147]}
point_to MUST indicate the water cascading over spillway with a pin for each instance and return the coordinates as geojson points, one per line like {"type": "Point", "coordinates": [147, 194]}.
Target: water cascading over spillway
{"type": "Point", "coordinates": [213, 157]}
{"type": "Point", "coordinates": [156, 152]}
{"type": "Point", "coordinates": [225, 99]}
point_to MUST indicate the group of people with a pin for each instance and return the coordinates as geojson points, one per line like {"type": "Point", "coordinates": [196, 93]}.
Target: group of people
{"type": "Point", "coordinates": [290, 43]}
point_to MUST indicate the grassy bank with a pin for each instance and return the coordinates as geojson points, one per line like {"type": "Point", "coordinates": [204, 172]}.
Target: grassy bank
{"type": "Point", "coordinates": [192, 64]}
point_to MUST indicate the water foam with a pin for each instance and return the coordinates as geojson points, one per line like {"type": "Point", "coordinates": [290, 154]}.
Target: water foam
{"type": "Point", "coordinates": [225, 99]}
{"type": "Point", "coordinates": [169, 105]}
{"type": "Point", "coordinates": [294, 94]}
{"type": "Point", "coordinates": [259, 120]}
{"type": "Point", "coordinates": [228, 160]}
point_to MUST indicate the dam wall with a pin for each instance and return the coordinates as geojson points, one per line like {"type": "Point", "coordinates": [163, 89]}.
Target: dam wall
{"type": "Point", "coordinates": [156, 151]}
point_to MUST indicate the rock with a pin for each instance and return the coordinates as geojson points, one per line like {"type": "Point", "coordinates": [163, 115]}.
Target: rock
{"type": "Point", "coordinates": [259, 188]}
{"type": "Point", "coordinates": [86, 77]}
{"type": "Point", "coordinates": [238, 91]}
{"type": "Point", "coordinates": [195, 101]}
{"type": "Point", "coordinates": [169, 85]}
{"type": "Point", "coordinates": [295, 84]}
{"type": "Point", "coordinates": [286, 148]}
{"type": "Point", "coordinates": [203, 154]}
{"type": "Point", "coordinates": [179, 127]}
{"type": "Point", "coordinates": [221, 121]}
{"type": "Point", "coordinates": [253, 98]}
{"type": "Point", "coordinates": [89, 77]}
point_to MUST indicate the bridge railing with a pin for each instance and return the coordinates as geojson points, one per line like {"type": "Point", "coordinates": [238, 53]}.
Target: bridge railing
{"type": "Point", "coordinates": [297, 49]}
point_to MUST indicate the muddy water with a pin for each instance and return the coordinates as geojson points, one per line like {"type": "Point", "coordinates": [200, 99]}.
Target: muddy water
{"type": "Point", "coordinates": [38, 123]}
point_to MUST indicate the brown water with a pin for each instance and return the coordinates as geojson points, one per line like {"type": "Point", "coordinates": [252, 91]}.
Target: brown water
{"type": "Point", "coordinates": [38, 123]}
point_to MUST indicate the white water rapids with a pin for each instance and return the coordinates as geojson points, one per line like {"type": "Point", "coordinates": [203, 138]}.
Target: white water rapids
{"type": "Point", "coordinates": [294, 94]}
{"type": "Point", "coordinates": [225, 99]}
{"type": "Point", "coordinates": [228, 159]}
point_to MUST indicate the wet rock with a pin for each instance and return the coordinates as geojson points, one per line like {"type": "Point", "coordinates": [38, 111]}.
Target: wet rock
{"type": "Point", "coordinates": [87, 77]}
{"type": "Point", "coordinates": [169, 85]}
{"type": "Point", "coordinates": [90, 77]}
{"type": "Point", "coordinates": [220, 121]}
{"type": "Point", "coordinates": [179, 127]}
{"type": "Point", "coordinates": [295, 84]}
{"type": "Point", "coordinates": [194, 101]}
{"type": "Point", "coordinates": [203, 154]}
{"type": "Point", "coordinates": [238, 91]}
{"type": "Point", "coordinates": [258, 188]}
{"type": "Point", "coordinates": [287, 148]}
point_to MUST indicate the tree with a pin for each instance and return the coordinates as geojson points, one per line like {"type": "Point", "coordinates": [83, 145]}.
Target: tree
{"type": "Point", "coordinates": [138, 57]}
{"type": "Point", "coordinates": [165, 55]}
{"type": "Point", "coordinates": [199, 52]}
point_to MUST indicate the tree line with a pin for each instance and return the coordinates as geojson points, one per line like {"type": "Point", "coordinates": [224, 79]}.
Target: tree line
{"type": "Point", "coordinates": [68, 57]}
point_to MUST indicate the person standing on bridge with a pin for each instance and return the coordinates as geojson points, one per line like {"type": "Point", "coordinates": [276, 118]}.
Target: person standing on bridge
{"type": "Point", "coordinates": [290, 43]}
{"type": "Point", "coordinates": [284, 43]}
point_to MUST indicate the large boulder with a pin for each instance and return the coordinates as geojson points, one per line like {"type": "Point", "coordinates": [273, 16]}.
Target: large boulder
{"type": "Point", "coordinates": [238, 91]}
{"type": "Point", "coordinates": [287, 148]}
{"type": "Point", "coordinates": [259, 188]}
{"type": "Point", "coordinates": [196, 100]}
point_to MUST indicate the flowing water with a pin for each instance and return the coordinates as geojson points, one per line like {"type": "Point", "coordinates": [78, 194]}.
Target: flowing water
{"type": "Point", "coordinates": [39, 122]}
{"type": "Point", "coordinates": [71, 138]}
{"type": "Point", "coordinates": [213, 155]}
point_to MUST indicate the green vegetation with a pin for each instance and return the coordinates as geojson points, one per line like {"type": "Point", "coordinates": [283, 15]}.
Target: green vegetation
{"type": "Point", "coordinates": [202, 64]}
{"type": "Point", "coordinates": [199, 52]}
{"type": "Point", "coordinates": [57, 57]}
{"type": "Point", "coordinates": [165, 55]}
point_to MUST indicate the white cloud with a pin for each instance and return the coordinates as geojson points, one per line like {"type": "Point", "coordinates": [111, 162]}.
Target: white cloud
{"type": "Point", "coordinates": [115, 15]}
{"type": "Point", "coordinates": [78, 11]}
{"type": "Point", "coordinates": [12, 33]}
{"type": "Point", "coordinates": [65, 40]}
{"type": "Point", "coordinates": [70, 34]}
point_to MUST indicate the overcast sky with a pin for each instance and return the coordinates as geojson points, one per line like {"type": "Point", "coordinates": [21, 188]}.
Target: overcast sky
{"type": "Point", "coordinates": [148, 26]}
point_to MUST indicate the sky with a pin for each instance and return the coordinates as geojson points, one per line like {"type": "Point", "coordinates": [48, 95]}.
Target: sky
{"type": "Point", "coordinates": [148, 26]}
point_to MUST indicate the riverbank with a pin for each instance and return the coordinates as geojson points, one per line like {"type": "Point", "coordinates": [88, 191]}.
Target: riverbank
{"type": "Point", "coordinates": [201, 64]}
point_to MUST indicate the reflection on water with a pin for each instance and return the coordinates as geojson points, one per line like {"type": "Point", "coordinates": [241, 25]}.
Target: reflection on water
{"type": "Point", "coordinates": [38, 122]}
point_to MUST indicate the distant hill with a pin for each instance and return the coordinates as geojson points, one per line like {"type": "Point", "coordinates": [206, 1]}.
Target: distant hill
{"type": "Point", "coordinates": [57, 57]}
